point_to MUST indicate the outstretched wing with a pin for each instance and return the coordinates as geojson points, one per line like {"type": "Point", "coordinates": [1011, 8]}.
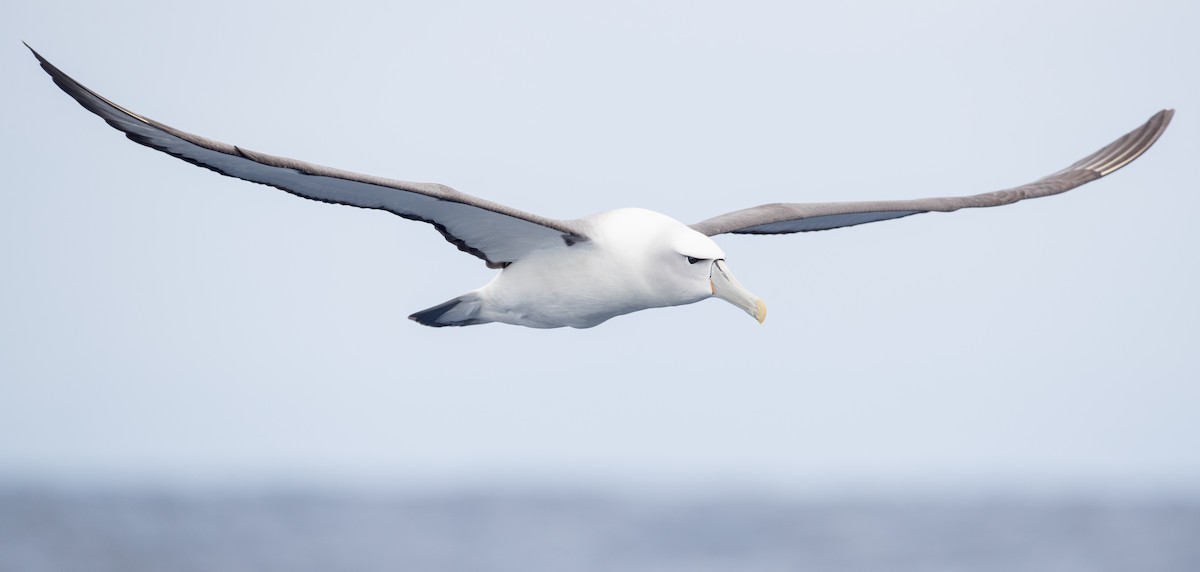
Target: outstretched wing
{"type": "Point", "coordinates": [786, 218]}
{"type": "Point", "coordinates": [496, 233]}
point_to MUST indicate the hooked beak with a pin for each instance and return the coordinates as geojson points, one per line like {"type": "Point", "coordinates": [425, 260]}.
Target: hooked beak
{"type": "Point", "coordinates": [727, 288]}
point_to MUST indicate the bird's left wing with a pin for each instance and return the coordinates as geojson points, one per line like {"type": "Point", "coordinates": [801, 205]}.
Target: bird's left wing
{"type": "Point", "coordinates": [786, 218]}
{"type": "Point", "coordinates": [494, 232]}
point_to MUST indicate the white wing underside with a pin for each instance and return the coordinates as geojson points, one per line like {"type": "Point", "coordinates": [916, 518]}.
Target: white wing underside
{"type": "Point", "coordinates": [496, 233]}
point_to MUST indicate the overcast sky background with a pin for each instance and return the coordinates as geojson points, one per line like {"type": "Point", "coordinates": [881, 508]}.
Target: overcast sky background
{"type": "Point", "coordinates": [160, 324]}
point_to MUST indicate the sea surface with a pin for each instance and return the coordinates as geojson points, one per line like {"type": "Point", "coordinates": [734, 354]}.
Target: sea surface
{"type": "Point", "coordinates": [42, 531]}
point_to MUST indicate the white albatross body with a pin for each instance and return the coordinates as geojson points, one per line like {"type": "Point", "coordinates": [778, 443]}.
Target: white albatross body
{"type": "Point", "coordinates": [581, 272]}
{"type": "Point", "coordinates": [632, 261]}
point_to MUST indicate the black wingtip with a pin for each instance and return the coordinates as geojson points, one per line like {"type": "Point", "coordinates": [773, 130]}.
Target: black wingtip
{"type": "Point", "coordinates": [54, 72]}
{"type": "Point", "coordinates": [35, 53]}
{"type": "Point", "coordinates": [1165, 116]}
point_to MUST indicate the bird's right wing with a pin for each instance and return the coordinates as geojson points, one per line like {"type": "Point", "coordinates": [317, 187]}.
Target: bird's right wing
{"type": "Point", "coordinates": [494, 232]}
{"type": "Point", "coordinates": [786, 218]}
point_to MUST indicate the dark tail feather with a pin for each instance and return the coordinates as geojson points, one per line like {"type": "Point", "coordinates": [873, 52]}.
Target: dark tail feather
{"type": "Point", "coordinates": [461, 311]}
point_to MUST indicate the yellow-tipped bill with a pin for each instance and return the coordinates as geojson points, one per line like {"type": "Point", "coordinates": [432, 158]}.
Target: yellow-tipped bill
{"type": "Point", "coordinates": [726, 287]}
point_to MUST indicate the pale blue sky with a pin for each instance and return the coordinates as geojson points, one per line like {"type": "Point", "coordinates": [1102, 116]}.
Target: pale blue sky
{"type": "Point", "coordinates": [159, 323]}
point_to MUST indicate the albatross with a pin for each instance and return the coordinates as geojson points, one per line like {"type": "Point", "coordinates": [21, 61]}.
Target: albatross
{"type": "Point", "coordinates": [577, 273]}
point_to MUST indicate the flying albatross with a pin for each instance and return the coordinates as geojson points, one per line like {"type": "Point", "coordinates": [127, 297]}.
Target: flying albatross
{"type": "Point", "coordinates": [580, 272]}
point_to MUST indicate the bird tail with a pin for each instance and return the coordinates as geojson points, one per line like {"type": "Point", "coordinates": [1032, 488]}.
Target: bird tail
{"type": "Point", "coordinates": [461, 311]}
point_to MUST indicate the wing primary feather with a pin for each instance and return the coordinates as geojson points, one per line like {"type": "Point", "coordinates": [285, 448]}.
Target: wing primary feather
{"type": "Point", "coordinates": [786, 218]}
{"type": "Point", "coordinates": [496, 233]}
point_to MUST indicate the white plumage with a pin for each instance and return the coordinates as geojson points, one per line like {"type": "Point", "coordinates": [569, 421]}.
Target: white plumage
{"type": "Point", "coordinates": [581, 272]}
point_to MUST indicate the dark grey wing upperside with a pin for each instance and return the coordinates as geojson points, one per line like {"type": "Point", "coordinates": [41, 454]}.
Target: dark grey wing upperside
{"type": "Point", "coordinates": [786, 218]}
{"type": "Point", "coordinates": [496, 233]}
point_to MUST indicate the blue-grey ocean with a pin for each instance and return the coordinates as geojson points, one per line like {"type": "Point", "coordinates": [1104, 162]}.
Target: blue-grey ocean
{"type": "Point", "coordinates": [43, 531]}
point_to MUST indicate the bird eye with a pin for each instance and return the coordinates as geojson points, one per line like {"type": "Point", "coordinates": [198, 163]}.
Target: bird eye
{"type": "Point", "coordinates": [693, 259]}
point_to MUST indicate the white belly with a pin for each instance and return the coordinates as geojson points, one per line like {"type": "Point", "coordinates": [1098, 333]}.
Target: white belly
{"type": "Point", "coordinates": [578, 286]}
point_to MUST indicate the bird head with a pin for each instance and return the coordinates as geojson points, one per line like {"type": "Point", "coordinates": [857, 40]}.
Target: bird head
{"type": "Point", "coordinates": [676, 264]}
